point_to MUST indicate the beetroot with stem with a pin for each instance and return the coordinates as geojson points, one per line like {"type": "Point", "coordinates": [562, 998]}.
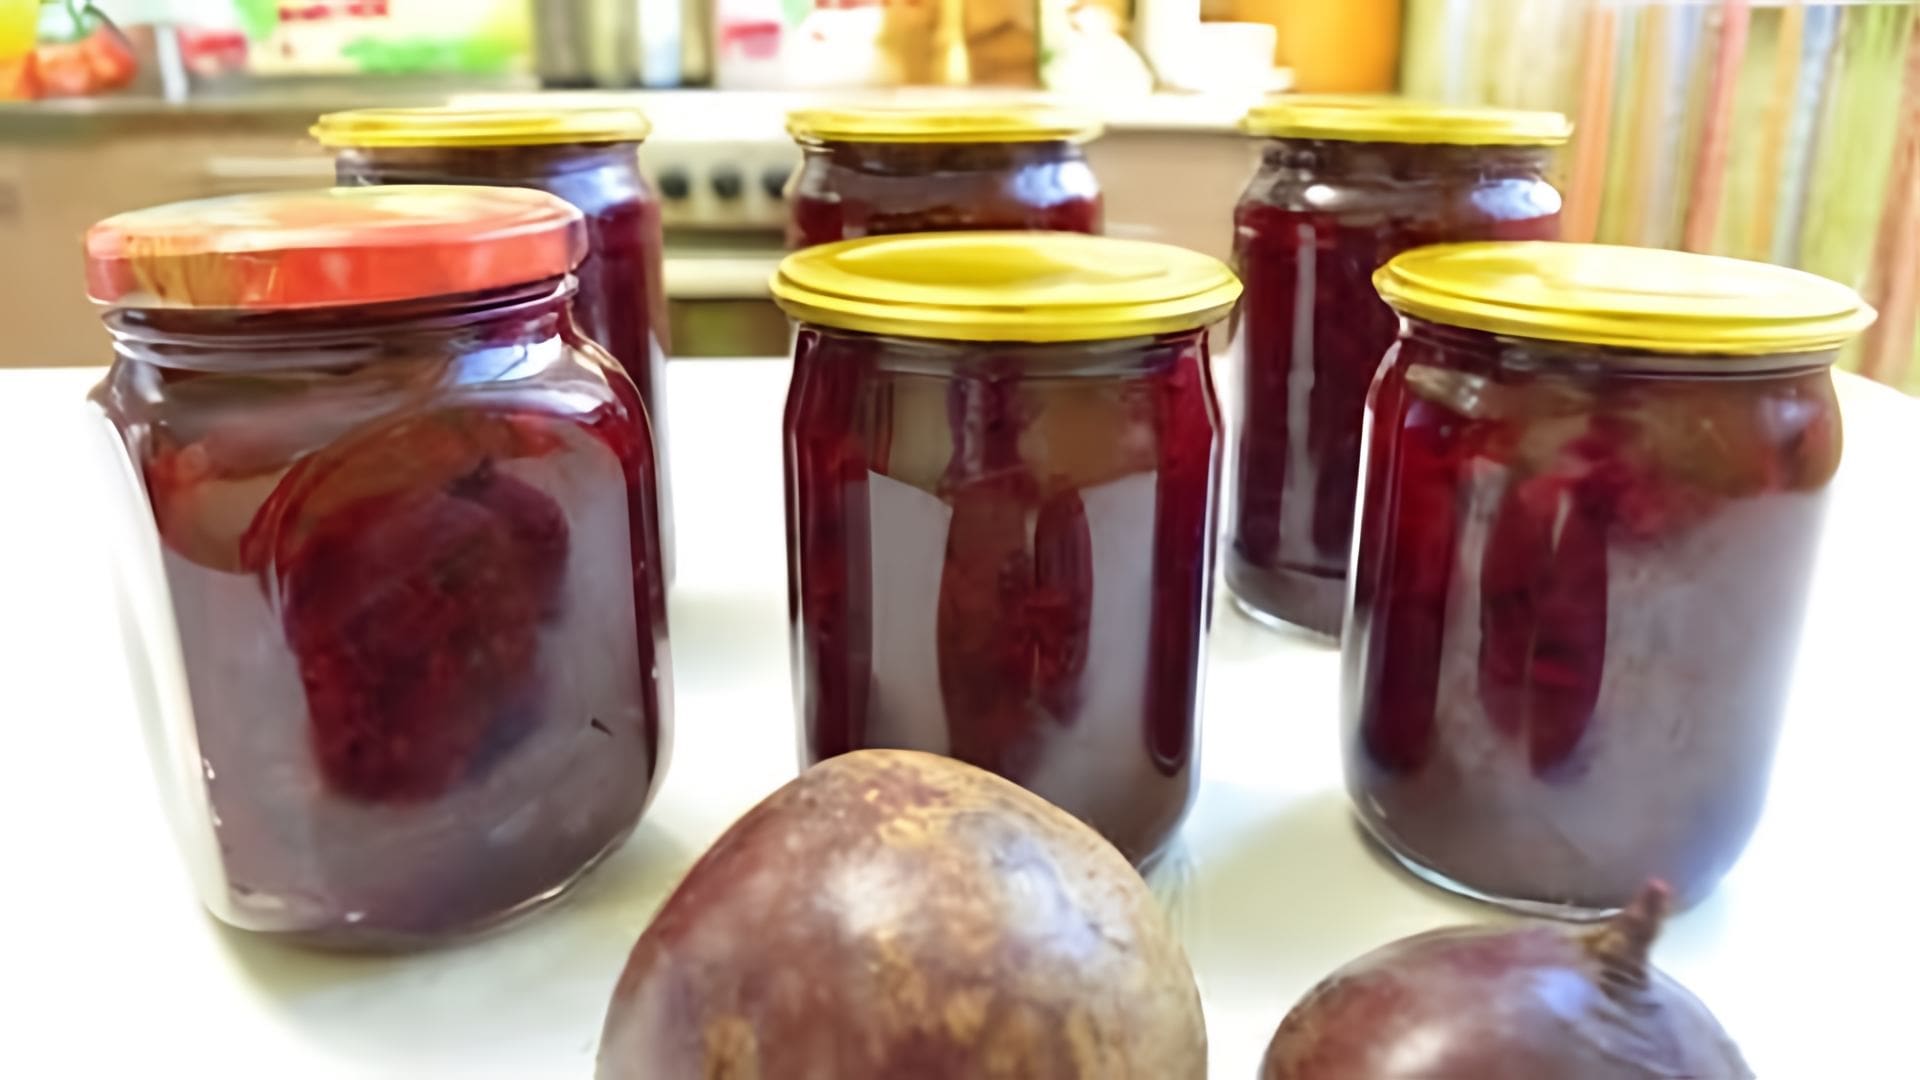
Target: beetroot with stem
{"type": "Point", "coordinates": [1508, 1003]}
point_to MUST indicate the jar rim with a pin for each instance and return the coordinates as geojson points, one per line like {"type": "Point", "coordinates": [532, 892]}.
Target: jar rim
{"type": "Point", "coordinates": [1385, 119]}
{"type": "Point", "coordinates": [1020, 121]}
{"type": "Point", "coordinates": [470, 126]}
{"type": "Point", "coordinates": [1644, 299]}
{"type": "Point", "coordinates": [332, 247]}
{"type": "Point", "coordinates": [1005, 286]}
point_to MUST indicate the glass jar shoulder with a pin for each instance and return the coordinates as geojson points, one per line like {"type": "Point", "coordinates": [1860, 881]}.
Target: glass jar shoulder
{"type": "Point", "coordinates": [333, 375]}
{"type": "Point", "coordinates": [596, 178]}
{"type": "Point", "coordinates": [932, 160]}
{"type": "Point", "coordinates": [1650, 441]}
{"type": "Point", "coordinates": [236, 422]}
{"type": "Point", "coordinates": [872, 189]}
{"type": "Point", "coordinates": [1454, 192]}
{"type": "Point", "coordinates": [932, 413]}
{"type": "Point", "coordinates": [879, 354]}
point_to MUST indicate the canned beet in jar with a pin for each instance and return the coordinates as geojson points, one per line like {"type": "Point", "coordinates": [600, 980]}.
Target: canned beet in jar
{"type": "Point", "coordinates": [881, 170]}
{"type": "Point", "coordinates": [402, 623]}
{"type": "Point", "coordinates": [1000, 459]}
{"type": "Point", "coordinates": [589, 157]}
{"type": "Point", "coordinates": [1344, 185]}
{"type": "Point", "coordinates": [1593, 485]}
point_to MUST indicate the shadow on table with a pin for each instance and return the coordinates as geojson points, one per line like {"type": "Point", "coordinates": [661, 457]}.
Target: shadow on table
{"type": "Point", "coordinates": [723, 633]}
{"type": "Point", "coordinates": [518, 1001]}
{"type": "Point", "coordinates": [1272, 906]}
{"type": "Point", "coordinates": [1238, 635]}
{"type": "Point", "coordinates": [1275, 905]}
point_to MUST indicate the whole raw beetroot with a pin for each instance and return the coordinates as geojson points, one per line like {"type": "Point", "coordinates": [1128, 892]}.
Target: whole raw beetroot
{"type": "Point", "coordinates": [895, 914]}
{"type": "Point", "coordinates": [1528, 1002]}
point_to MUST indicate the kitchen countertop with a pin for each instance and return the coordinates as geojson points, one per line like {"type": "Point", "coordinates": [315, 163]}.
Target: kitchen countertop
{"type": "Point", "coordinates": [694, 113]}
{"type": "Point", "coordinates": [1803, 951]}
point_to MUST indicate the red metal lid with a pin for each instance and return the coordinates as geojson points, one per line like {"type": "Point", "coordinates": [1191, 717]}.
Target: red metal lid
{"type": "Point", "coordinates": [331, 248]}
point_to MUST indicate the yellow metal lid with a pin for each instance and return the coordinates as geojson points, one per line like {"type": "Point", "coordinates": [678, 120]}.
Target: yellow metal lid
{"type": "Point", "coordinates": [975, 123]}
{"type": "Point", "coordinates": [1361, 118]}
{"type": "Point", "coordinates": [1005, 286]}
{"type": "Point", "coordinates": [1643, 299]}
{"type": "Point", "coordinates": [450, 126]}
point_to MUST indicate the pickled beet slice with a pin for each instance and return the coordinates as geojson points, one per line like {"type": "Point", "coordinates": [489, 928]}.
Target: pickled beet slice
{"type": "Point", "coordinates": [986, 645]}
{"type": "Point", "coordinates": [536, 523]}
{"type": "Point", "coordinates": [427, 449]}
{"type": "Point", "coordinates": [1418, 498]}
{"type": "Point", "coordinates": [412, 600]}
{"type": "Point", "coordinates": [1543, 618]}
{"type": "Point", "coordinates": [1016, 589]}
{"type": "Point", "coordinates": [1059, 613]}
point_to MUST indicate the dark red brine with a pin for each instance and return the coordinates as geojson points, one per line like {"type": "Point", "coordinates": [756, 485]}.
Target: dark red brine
{"type": "Point", "coordinates": [1578, 591]}
{"type": "Point", "coordinates": [883, 171]}
{"type": "Point", "coordinates": [1327, 208]}
{"type": "Point", "coordinates": [413, 577]}
{"type": "Point", "coordinates": [589, 157]}
{"type": "Point", "coordinates": [1002, 551]}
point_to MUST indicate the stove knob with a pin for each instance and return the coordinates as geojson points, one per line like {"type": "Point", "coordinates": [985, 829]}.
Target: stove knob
{"type": "Point", "coordinates": [774, 181]}
{"type": "Point", "coordinates": [727, 182]}
{"type": "Point", "coordinates": [674, 183]}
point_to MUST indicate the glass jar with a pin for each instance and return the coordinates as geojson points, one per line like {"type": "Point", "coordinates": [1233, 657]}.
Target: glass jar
{"type": "Point", "coordinates": [1344, 185]}
{"type": "Point", "coordinates": [1594, 482]}
{"type": "Point", "coordinates": [1001, 452]}
{"type": "Point", "coordinates": [399, 610]}
{"type": "Point", "coordinates": [589, 157]}
{"type": "Point", "coordinates": [882, 170]}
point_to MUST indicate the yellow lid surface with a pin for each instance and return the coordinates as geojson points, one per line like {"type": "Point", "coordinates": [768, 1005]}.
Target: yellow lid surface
{"type": "Point", "coordinates": [1005, 286]}
{"type": "Point", "coordinates": [449, 126]}
{"type": "Point", "coordinates": [1008, 122]}
{"type": "Point", "coordinates": [1630, 298]}
{"type": "Point", "coordinates": [1361, 118]}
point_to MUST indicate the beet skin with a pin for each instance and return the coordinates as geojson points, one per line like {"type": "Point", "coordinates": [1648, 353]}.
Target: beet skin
{"type": "Point", "coordinates": [897, 914]}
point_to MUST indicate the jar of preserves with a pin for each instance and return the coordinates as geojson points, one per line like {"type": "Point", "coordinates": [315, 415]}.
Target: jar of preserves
{"type": "Point", "coordinates": [880, 170]}
{"type": "Point", "coordinates": [1593, 485]}
{"type": "Point", "coordinates": [1001, 451]}
{"type": "Point", "coordinates": [589, 157]}
{"type": "Point", "coordinates": [1344, 185]}
{"type": "Point", "coordinates": [399, 610]}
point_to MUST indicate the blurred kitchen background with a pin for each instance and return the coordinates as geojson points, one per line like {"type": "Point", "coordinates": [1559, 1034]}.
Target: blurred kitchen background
{"type": "Point", "coordinates": [1786, 130]}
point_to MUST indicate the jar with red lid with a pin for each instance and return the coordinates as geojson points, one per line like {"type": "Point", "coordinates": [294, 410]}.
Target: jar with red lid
{"type": "Point", "coordinates": [1344, 184]}
{"type": "Point", "coordinates": [1001, 452]}
{"type": "Point", "coordinates": [1592, 491]}
{"type": "Point", "coordinates": [587, 156]}
{"type": "Point", "coordinates": [390, 554]}
{"type": "Point", "coordinates": [881, 170]}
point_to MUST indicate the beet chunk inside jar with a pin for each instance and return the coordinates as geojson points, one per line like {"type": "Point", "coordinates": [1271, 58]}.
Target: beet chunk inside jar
{"type": "Point", "coordinates": [1593, 487]}
{"type": "Point", "coordinates": [1345, 184]}
{"type": "Point", "coordinates": [399, 611]}
{"type": "Point", "coordinates": [1001, 451]}
{"type": "Point", "coordinates": [587, 156]}
{"type": "Point", "coordinates": [881, 170]}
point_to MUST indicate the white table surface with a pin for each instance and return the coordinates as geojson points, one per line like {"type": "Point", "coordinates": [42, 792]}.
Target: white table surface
{"type": "Point", "coordinates": [1803, 952]}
